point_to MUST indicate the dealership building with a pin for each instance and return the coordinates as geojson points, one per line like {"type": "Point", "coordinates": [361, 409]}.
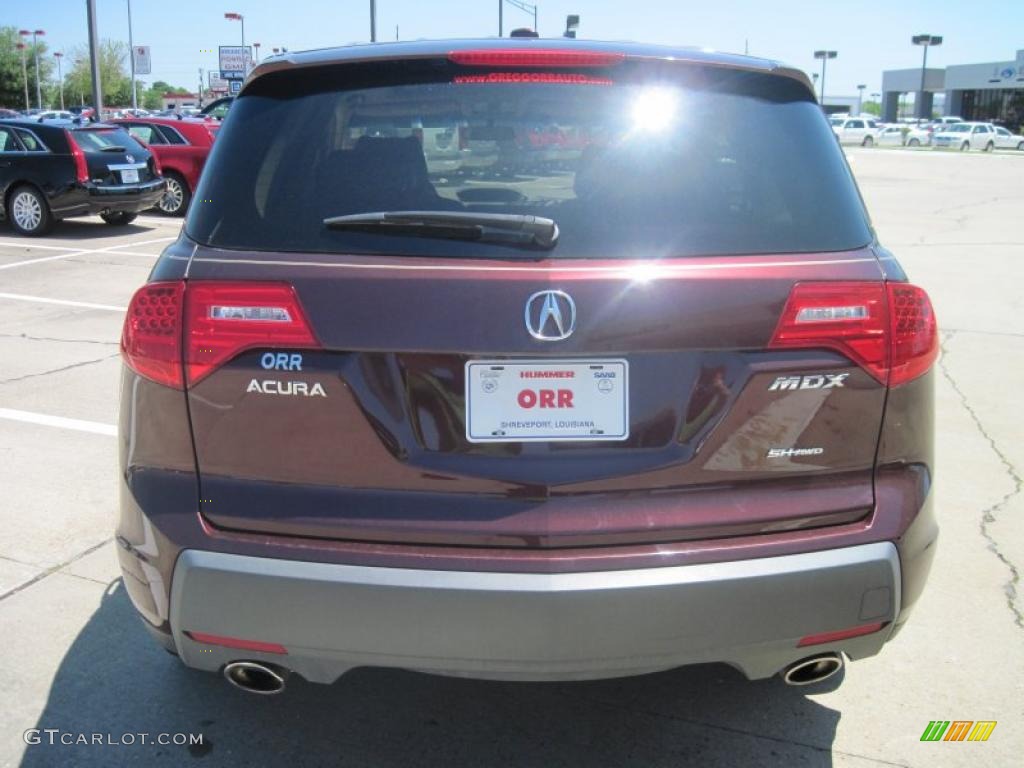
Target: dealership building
{"type": "Point", "coordinates": [993, 91]}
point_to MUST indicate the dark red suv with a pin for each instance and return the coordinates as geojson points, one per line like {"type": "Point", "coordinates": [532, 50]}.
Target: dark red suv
{"type": "Point", "coordinates": [647, 396]}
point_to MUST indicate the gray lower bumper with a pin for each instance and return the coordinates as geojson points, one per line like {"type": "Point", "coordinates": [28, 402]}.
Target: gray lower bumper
{"type": "Point", "coordinates": [748, 613]}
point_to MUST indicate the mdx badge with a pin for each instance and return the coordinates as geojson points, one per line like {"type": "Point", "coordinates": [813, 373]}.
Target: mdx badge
{"type": "Point", "coordinates": [550, 315]}
{"type": "Point", "coordinates": [814, 381]}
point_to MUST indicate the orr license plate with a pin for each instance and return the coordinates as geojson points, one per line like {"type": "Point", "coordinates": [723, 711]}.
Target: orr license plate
{"type": "Point", "coordinates": [546, 400]}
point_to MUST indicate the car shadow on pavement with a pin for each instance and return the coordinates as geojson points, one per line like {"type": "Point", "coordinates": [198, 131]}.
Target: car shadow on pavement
{"type": "Point", "coordinates": [92, 228]}
{"type": "Point", "coordinates": [115, 680]}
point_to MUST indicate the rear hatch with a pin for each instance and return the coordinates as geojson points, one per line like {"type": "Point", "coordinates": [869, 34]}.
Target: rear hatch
{"type": "Point", "coordinates": [449, 383]}
{"type": "Point", "coordinates": [112, 157]}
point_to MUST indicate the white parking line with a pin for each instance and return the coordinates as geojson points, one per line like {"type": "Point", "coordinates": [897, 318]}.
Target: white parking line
{"type": "Point", "coordinates": [43, 419]}
{"type": "Point", "coordinates": [115, 249]}
{"type": "Point", "coordinates": [62, 302]}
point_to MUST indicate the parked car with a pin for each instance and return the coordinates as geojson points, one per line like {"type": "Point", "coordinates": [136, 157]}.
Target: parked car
{"type": "Point", "coordinates": [920, 135]}
{"type": "Point", "coordinates": [853, 130]}
{"type": "Point", "coordinates": [6, 114]}
{"type": "Point", "coordinates": [966, 136]}
{"type": "Point", "coordinates": [1004, 139]}
{"type": "Point", "coordinates": [182, 146]}
{"type": "Point", "coordinates": [890, 136]}
{"type": "Point", "coordinates": [54, 114]}
{"type": "Point", "coordinates": [218, 108]}
{"type": "Point", "coordinates": [669, 404]}
{"type": "Point", "coordinates": [55, 170]}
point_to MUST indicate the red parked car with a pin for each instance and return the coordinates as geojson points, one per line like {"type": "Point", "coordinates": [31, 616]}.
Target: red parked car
{"type": "Point", "coordinates": [182, 146]}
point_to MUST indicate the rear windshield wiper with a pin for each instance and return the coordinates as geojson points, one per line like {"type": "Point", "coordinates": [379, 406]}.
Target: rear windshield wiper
{"type": "Point", "coordinates": [112, 148]}
{"type": "Point", "coordinates": [502, 228]}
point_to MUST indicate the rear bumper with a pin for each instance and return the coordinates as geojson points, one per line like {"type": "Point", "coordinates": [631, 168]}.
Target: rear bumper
{"type": "Point", "coordinates": [532, 626]}
{"type": "Point", "coordinates": [127, 198]}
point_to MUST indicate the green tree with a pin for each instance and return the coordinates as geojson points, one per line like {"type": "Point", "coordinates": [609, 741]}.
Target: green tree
{"type": "Point", "coordinates": [151, 97]}
{"type": "Point", "coordinates": [12, 83]}
{"type": "Point", "coordinates": [114, 78]}
{"type": "Point", "coordinates": [872, 108]}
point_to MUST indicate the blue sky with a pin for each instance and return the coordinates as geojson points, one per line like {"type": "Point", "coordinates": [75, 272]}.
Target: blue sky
{"type": "Point", "coordinates": [869, 36]}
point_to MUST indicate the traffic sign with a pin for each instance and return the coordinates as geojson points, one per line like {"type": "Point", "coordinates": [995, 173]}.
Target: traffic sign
{"type": "Point", "coordinates": [141, 58]}
{"type": "Point", "coordinates": [236, 86]}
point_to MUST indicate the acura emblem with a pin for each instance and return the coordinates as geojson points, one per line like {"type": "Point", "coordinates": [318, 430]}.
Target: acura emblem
{"type": "Point", "coordinates": [130, 158]}
{"type": "Point", "coordinates": [550, 315]}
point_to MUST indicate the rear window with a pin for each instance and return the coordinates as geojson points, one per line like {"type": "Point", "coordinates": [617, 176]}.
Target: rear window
{"type": "Point", "coordinates": [651, 161]}
{"type": "Point", "coordinates": [93, 140]}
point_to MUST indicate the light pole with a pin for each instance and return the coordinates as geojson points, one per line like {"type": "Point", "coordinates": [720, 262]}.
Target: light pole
{"type": "Point", "coordinates": [24, 70]}
{"type": "Point", "coordinates": [824, 56]}
{"type": "Point", "coordinates": [35, 54]}
{"type": "Point", "coordinates": [94, 60]}
{"type": "Point", "coordinates": [256, 49]}
{"type": "Point", "coordinates": [501, 17]}
{"type": "Point", "coordinates": [572, 24]}
{"type": "Point", "coordinates": [860, 99]}
{"type": "Point", "coordinates": [925, 41]}
{"type": "Point", "coordinates": [814, 77]}
{"type": "Point", "coordinates": [60, 76]}
{"type": "Point", "coordinates": [231, 16]}
{"type": "Point", "coordinates": [131, 59]}
{"type": "Point", "coordinates": [373, 21]}
{"type": "Point", "coordinates": [877, 98]}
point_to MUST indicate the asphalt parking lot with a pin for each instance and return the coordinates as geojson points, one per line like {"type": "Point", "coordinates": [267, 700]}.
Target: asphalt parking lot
{"type": "Point", "coordinates": [75, 658]}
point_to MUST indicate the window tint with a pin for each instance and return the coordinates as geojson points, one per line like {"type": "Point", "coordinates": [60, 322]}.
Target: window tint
{"type": "Point", "coordinates": [707, 162]}
{"type": "Point", "coordinates": [1003, 132]}
{"type": "Point", "coordinates": [7, 141]}
{"type": "Point", "coordinates": [855, 124]}
{"type": "Point", "coordinates": [30, 141]}
{"type": "Point", "coordinates": [97, 140]}
{"type": "Point", "coordinates": [170, 135]}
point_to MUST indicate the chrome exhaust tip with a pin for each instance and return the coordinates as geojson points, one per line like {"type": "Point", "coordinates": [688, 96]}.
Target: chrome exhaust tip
{"type": "Point", "coordinates": [813, 669]}
{"type": "Point", "coordinates": [256, 677]}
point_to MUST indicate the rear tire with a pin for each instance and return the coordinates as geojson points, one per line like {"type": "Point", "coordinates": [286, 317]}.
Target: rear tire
{"type": "Point", "coordinates": [868, 142]}
{"type": "Point", "coordinates": [989, 147]}
{"type": "Point", "coordinates": [177, 197]}
{"type": "Point", "coordinates": [913, 143]}
{"type": "Point", "coordinates": [29, 212]}
{"type": "Point", "coordinates": [1020, 147]}
{"type": "Point", "coordinates": [965, 147]}
{"type": "Point", "coordinates": [118, 218]}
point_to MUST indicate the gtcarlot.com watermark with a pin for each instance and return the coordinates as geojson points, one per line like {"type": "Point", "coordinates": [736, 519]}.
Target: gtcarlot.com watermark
{"type": "Point", "coordinates": [57, 737]}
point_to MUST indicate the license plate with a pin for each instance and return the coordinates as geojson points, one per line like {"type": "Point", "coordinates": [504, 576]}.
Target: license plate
{"type": "Point", "coordinates": [546, 400]}
{"type": "Point", "coordinates": [130, 176]}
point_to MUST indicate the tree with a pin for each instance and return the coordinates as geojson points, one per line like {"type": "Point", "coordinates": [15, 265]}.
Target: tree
{"type": "Point", "coordinates": [151, 98]}
{"type": "Point", "coordinates": [872, 108]}
{"type": "Point", "coordinates": [114, 79]}
{"type": "Point", "coordinates": [12, 83]}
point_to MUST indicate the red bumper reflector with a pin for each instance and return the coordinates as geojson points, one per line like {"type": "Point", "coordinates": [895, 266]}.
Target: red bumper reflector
{"type": "Point", "coordinates": [842, 634]}
{"type": "Point", "coordinates": [537, 57]}
{"type": "Point", "coordinates": [533, 77]}
{"type": "Point", "coordinates": [235, 642]}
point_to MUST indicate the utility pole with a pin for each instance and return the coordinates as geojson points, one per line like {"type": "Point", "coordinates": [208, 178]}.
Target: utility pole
{"type": "Point", "coordinates": [501, 20]}
{"type": "Point", "coordinates": [94, 59]}
{"type": "Point", "coordinates": [824, 56]}
{"type": "Point", "coordinates": [131, 48]}
{"type": "Point", "coordinates": [373, 21]}
{"type": "Point", "coordinates": [24, 73]}
{"type": "Point", "coordinates": [926, 41]}
{"type": "Point", "coordinates": [35, 53]}
{"type": "Point", "coordinates": [60, 76]}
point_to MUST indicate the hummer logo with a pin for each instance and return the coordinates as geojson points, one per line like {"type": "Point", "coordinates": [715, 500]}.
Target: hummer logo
{"type": "Point", "coordinates": [815, 381]}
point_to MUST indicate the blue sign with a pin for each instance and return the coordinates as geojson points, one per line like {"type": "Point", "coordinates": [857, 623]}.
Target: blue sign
{"type": "Point", "coordinates": [235, 86]}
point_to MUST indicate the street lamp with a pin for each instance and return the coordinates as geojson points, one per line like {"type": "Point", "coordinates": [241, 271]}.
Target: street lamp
{"type": "Point", "coordinates": [824, 56]}
{"type": "Point", "coordinates": [860, 98]}
{"type": "Point", "coordinates": [237, 17]}
{"type": "Point", "coordinates": [131, 59]}
{"type": "Point", "coordinates": [24, 68]}
{"type": "Point", "coordinates": [60, 76]}
{"type": "Point", "coordinates": [572, 23]}
{"type": "Point", "coordinates": [256, 48]}
{"type": "Point", "coordinates": [35, 53]}
{"type": "Point", "coordinates": [373, 21]}
{"type": "Point", "coordinates": [925, 41]}
{"type": "Point", "coordinates": [877, 98]}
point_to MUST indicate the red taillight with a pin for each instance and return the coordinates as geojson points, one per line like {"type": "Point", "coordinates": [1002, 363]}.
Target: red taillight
{"type": "Point", "coordinates": [886, 328]}
{"type": "Point", "coordinates": [236, 642]}
{"type": "Point", "coordinates": [533, 77]}
{"type": "Point", "coordinates": [151, 340]}
{"type": "Point", "coordinates": [542, 57]}
{"type": "Point", "coordinates": [224, 319]}
{"type": "Point", "coordinates": [842, 634]}
{"type": "Point", "coordinates": [81, 167]}
{"type": "Point", "coordinates": [180, 331]}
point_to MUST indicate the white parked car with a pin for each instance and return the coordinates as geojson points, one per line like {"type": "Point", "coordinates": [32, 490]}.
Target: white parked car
{"type": "Point", "coordinates": [54, 114]}
{"type": "Point", "coordinates": [966, 136]}
{"type": "Point", "coordinates": [921, 135]}
{"type": "Point", "coordinates": [890, 136]}
{"type": "Point", "coordinates": [1006, 140]}
{"type": "Point", "coordinates": [854, 130]}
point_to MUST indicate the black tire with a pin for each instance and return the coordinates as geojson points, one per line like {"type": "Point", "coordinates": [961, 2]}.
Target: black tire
{"type": "Point", "coordinates": [868, 142]}
{"type": "Point", "coordinates": [118, 218]}
{"type": "Point", "coordinates": [913, 143]}
{"type": "Point", "coordinates": [965, 147]}
{"type": "Point", "coordinates": [1020, 146]}
{"type": "Point", "coordinates": [28, 212]}
{"type": "Point", "coordinates": [177, 197]}
{"type": "Point", "coordinates": [990, 146]}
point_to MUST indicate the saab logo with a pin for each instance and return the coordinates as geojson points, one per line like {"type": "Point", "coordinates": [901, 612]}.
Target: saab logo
{"type": "Point", "coordinates": [815, 381]}
{"type": "Point", "coordinates": [271, 387]}
{"type": "Point", "coordinates": [958, 730]}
